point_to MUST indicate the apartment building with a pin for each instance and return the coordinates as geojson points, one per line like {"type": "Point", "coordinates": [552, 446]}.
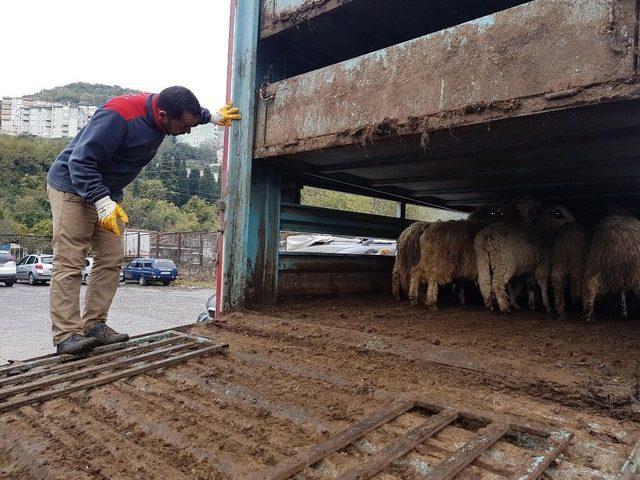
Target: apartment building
{"type": "Point", "coordinates": [43, 119]}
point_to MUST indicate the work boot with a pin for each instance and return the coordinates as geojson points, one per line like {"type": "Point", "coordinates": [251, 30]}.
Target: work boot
{"type": "Point", "coordinates": [77, 344]}
{"type": "Point", "coordinates": [106, 335]}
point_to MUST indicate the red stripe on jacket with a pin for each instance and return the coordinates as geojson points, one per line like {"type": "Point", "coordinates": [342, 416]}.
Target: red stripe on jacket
{"type": "Point", "coordinates": [129, 106]}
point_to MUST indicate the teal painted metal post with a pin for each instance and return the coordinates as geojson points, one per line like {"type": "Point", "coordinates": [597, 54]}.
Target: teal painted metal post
{"type": "Point", "coordinates": [264, 233]}
{"type": "Point", "coordinates": [248, 253]}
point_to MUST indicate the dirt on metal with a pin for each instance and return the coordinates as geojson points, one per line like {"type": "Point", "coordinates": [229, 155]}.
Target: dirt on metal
{"type": "Point", "coordinates": [274, 22]}
{"type": "Point", "coordinates": [306, 369]}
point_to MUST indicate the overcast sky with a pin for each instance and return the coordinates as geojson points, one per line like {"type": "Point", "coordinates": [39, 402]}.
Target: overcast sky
{"type": "Point", "coordinates": [141, 44]}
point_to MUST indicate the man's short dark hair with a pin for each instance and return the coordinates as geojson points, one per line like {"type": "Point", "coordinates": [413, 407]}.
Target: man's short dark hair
{"type": "Point", "coordinates": [178, 100]}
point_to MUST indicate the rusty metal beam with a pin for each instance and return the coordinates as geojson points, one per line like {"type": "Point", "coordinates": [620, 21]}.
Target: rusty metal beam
{"type": "Point", "coordinates": [93, 359]}
{"type": "Point", "coordinates": [631, 467]}
{"type": "Point", "coordinates": [400, 447]}
{"type": "Point", "coordinates": [109, 378]}
{"type": "Point", "coordinates": [335, 443]}
{"type": "Point", "coordinates": [539, 141]}
{"type": "Point", "coordinates": [559, 443]}
{"type": "Point", "coordinates": [453, 465]}
{"type": "Point", "coordinates": [446, 79]}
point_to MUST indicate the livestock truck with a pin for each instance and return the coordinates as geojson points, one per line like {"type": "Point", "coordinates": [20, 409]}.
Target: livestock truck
{"type": "Point", "coordinates": [312, 369]}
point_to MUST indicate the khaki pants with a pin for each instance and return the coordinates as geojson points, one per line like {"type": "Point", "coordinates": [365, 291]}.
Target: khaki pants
{"type": "Point", "coordinates": [75, 229]}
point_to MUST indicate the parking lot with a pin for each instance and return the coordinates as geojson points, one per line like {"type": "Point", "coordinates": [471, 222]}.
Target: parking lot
{"type": "Point", "coordinates": [25, 330]}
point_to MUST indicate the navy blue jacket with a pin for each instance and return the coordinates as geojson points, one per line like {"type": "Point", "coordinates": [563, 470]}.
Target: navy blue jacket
{"type": "Point", "coordinates": [111, 150]}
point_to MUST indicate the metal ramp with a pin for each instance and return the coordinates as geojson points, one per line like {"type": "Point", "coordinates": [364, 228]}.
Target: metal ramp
{"type": "Point", "coordinates": [45, 378]}
{"type": "Point", "coordinates": [439, 417]}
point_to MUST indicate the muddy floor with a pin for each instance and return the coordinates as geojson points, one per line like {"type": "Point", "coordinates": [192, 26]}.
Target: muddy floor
{"type": "Point", "coordinates": [298, 373]}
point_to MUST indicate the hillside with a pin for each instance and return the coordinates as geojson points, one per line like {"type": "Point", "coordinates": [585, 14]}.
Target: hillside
{"type": "Point", "coordinates": [89, 93]}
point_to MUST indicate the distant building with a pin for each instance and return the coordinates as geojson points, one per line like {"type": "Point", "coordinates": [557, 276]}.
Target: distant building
{"type": "Point", "coordinates": [202, 135]}
{"type": "Point", "coordinates": [43, 119]}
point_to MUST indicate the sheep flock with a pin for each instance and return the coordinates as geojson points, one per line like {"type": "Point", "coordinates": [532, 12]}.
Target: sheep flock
{"type": "Point", "coordinates": [522, 255]}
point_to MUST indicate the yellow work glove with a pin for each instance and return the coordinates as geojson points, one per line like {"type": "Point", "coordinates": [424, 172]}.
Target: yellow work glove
{"type": "Point", "coordinates": [109, 215]}
{"type": "Point", "coordinates": [226, 115]}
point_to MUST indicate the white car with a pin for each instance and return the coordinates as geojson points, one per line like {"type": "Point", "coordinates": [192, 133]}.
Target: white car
{"type": "Point", "coordinates": [35, 269]}
{"type": "Point", "coordinates": [86, 271]}
{"type": "Point", "coordinates": [7, 268]}
{"type": "Point", "coordinates": [332, 244]}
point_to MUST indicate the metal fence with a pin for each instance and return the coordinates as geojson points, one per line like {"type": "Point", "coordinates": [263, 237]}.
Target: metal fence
{"type": "Point", "coordinates": [195, 253]}
{"type": "Point", "coordinates": [23, 245]}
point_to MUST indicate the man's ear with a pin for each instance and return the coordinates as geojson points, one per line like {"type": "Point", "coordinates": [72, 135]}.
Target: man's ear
{"type": "Point", "coordinates": [162, 115]}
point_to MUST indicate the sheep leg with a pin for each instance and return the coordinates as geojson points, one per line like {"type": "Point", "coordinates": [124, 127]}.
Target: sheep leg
{"type": "Point", "coordinates": [432, 295]}
{"type": "Point", "coordinates": [498, 285]}
{"type": "Point", "coordinates": [576, 286]}
{"type": "Point", "coordinates": [461, 298]}
{"type": "Point", "coordinates": [414, 285]}
{"type": "Point", "coordinates": [557, 281]}
{"type": "Point", "coordinates": [395, 284]}
{"type": "Point", "coordinates": [484, 283]}
{"type": "Point", "coordinates": [623, 306]}
{"type": "Point", "coordinates": [514, 293]}
{"type": "Point", "coordinates": [531, 298]}
{"type": "Point", "coordinates": [590, 291]}
{"type": "Point", "coordinates": [544, 288]}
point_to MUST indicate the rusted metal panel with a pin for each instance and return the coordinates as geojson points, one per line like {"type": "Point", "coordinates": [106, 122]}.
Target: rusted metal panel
{"type": "Point", "coordinates": [544, 55]}
{"type": "Point", "coordinates": [278, 15]}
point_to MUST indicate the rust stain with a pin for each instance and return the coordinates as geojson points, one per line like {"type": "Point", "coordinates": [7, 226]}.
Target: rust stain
{"type": "Point", "coordinates": [276, 22]}
{"type": "Point", "coordinates": [511, 63]}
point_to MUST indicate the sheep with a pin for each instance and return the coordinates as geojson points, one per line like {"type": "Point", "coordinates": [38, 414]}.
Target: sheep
{"type": "Point", "coordinates": [568, 257]}
{"type": "Point", "coordinates": [408, 248]}
{"type": "Point", "coordinates": [446, 254]}
{"type": "Point", "coordinates": [504, 251]}
{"type": "Point", "coordinates": [407, 256]}
{"type": "Point", "coordinates": [613, 262]}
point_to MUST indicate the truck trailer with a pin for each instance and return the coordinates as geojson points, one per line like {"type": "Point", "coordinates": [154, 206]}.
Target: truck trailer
{"type": "Point", "coordinates": [312, 370]}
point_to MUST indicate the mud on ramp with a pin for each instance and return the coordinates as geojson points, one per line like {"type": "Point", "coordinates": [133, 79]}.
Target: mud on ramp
{"type": "Point", "coordinates": [305, 370]}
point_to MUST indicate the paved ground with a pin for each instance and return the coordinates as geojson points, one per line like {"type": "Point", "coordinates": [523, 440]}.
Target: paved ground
{"type": "Point", "coordinates": [24, 314]}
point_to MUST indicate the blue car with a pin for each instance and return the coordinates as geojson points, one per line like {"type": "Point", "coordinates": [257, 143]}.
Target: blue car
{"type": "Point", "coordinates": [150, 270]}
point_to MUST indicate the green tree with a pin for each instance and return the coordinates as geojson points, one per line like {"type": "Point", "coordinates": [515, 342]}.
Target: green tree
{"type": "Point", "coordinates": [182, 184]}
{"type": "Point", "coordinates": [153, 189]}
{"type": "Point", "coordinates": [209, 187]}
{"type": "Point", "coordinates": [194, 182]}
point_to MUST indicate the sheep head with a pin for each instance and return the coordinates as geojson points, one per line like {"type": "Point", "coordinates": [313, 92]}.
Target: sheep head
{"type": "Point", "coordinates": [554, 217]}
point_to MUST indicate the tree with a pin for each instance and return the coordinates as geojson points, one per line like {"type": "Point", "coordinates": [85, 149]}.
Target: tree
{"type": "Point", "coordinates": [153, 189]}
{"type": "Point", "coordinates": [205, 214]}
{"type": "Point", "coordinates": [182, 184]}
{"type": "Point", "coordinates": [209, 187]}
{"type": "Point", "coordinates": [194, 182]}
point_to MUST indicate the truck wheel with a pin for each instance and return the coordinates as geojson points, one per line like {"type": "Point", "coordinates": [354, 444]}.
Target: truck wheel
{"type": "Point", "coordinates": [166, 282]}
{"type": "Point", "coordinates": [32, 279]}
{"type": "Point", "coordinates": [144, 282]}
{"type": "Point", "coordinates": [9, 283]}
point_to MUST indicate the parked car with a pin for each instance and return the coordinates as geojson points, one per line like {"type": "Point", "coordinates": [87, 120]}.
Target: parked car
{"type": "Point", "coordinates": [341, 245]}
{"type": "Point", "coordinates": [88, 266]}
{"type": "Point", "coordinates": [86, 271]}
{"type": "Point", "coordinates": [35, 269]}
{"type": "Point", "coordinates": [150, 270]}
{"type": "Point", "coordinates": [7, 268]}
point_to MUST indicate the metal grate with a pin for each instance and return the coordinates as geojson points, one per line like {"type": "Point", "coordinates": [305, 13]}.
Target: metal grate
{"type": "Point", "coordinates": [494, 429]}
{"type": "Point", "coordinates": [41, 379]}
